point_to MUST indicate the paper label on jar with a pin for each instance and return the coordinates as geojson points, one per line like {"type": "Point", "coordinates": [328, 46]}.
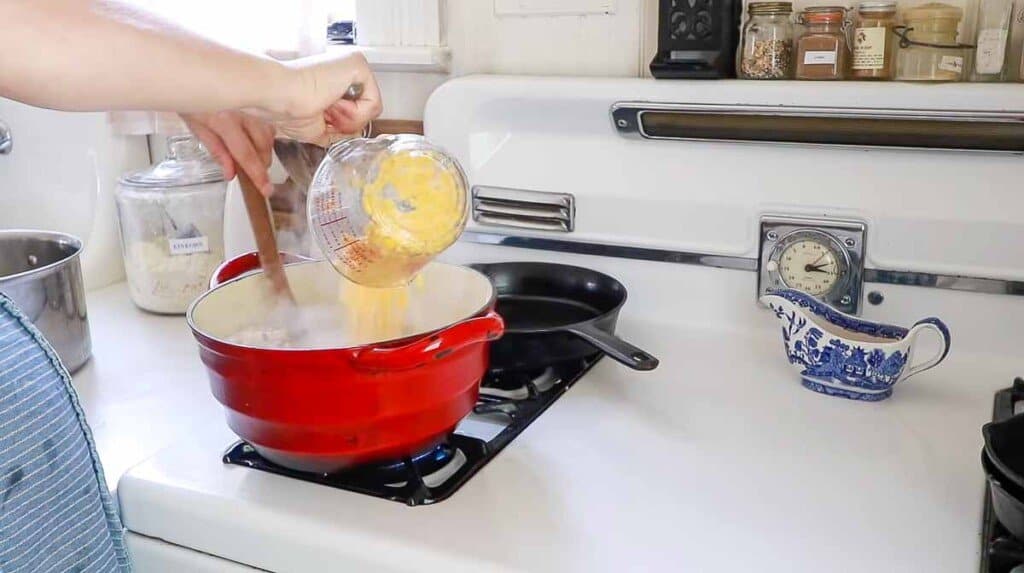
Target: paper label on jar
{"type": "Point", "coordinates": [991, 51]}
{"type": "Point", "coordinates": [189, 246]}
{"type": "Point", "coordinates": [869, 48]}
{"type": "Point", "coordinates": [812, 58]}
{"type": "Point", "coordinates": [953, 64]}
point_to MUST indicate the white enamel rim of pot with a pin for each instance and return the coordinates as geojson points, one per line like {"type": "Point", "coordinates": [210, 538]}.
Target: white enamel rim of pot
{"type": "Point", "coordinates": [448, 295]}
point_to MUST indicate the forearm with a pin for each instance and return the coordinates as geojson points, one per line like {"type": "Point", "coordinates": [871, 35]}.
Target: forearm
{"type": "Point", "coordinates": [90, 55]}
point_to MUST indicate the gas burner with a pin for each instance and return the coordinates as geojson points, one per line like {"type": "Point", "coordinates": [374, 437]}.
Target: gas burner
{"type": "Point", "coordinates": [501, 393]}
{"type": "Point", "coordinates": [507, 405]}
{"type": "Point", "coordinates": [520, 385]}
{"type": "Point", "coordinates": [396, 473]}
{"type": "Point", "coordinates": [421, 480]}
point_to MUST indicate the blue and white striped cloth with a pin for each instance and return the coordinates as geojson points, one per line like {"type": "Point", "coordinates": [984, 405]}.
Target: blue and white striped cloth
{"type": "Point", "coordinates": [56, 513]}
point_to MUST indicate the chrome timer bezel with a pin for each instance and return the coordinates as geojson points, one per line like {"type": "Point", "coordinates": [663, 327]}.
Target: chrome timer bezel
{"type": "Point", "coordinates": [845, 238]}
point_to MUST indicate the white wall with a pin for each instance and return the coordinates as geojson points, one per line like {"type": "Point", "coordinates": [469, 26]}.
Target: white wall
{"type": "Point", "coordinates": [579, 45]}
{"type": "Point", "coordinates": [61, 176]}
{"type": "Point", "coordinates": [620, 44]}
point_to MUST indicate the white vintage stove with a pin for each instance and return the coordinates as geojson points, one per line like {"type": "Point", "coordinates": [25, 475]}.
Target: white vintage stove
{"type": "Point", "coordinates": [718, 460]}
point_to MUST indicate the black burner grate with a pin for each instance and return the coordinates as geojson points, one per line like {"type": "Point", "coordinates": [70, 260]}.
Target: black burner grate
{"type": "Point", "coordinates": [436, 474]}
{"type": "Point", "coordinates": [1001, 552]}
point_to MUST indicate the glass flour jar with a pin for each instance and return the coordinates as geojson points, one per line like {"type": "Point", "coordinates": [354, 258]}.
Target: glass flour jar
{"type": "Point", "coordinates": [172, 227]}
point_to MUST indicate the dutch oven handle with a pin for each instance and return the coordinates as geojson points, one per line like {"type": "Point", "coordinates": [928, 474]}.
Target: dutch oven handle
{"type": "Point", "coordinates": [434, 347]}
{"type": "Point", "coordinates": [242, 264]}
{"type": "Point", "coordinates": [615, 347]}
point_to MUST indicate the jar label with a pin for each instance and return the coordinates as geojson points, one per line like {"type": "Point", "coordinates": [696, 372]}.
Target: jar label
{"type": "Point", "coordinates": [991, 51]}
{"type": "Point", "coordinates": [953, 64]}
{"type": "Point", "coordinates": [189, 246]}
{"type": "Point", "coordinates": [812, 58]}
{"type": "Point", "coordinates": [869, 48]}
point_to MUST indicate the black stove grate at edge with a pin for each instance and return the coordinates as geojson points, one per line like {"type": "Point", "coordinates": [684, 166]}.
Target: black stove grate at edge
{"type": "Point", "coordinates": [1000, 551]}
{"type": "Point", "coordinates": [409, 481]}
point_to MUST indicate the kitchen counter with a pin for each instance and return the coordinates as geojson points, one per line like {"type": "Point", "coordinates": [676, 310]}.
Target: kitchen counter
{"type": "Point", "coordinates": [144, 388]}
{"type": "Point", "coordinates": [718, 460]}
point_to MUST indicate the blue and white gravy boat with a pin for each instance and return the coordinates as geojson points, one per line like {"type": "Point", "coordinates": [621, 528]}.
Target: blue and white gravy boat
{"type": "Point", "coordinates": [842, 355]}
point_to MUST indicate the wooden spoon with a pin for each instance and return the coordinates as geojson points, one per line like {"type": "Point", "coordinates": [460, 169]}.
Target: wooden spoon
{"type": "Point", "coordinates": [263, 227]}
{"type": "Point", "coordinates": [266, 242]}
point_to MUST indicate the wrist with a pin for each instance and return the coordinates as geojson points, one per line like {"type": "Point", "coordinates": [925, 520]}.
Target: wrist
{"type": "Point", "coordinates": [281, 89]}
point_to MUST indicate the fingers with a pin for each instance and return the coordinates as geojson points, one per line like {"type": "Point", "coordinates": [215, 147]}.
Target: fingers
{"type": "Point", "coordinates": [319, 87]}
{"type": "Point", "coordinates": [309, 130]}
{"type": "Point", "coordinates": [262, 135]}
{"type": "Point", "coordinates": [370, 105]}
{"type": "Point", "coordinates": [213, 143]}
{"type": "Point", "coordinates": [342, 116]}
{"type": "Point", "coordinates": [238, 141]}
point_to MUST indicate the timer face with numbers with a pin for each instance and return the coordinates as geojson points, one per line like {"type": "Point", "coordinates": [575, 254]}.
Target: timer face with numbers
{"type": "Point", "coordinates": [821, 257]}
{"type": "Point", "coordinates": [810, 266]}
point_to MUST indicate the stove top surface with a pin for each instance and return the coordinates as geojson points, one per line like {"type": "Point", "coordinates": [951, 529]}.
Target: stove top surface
{"type": "Point", "coordinates": [508, 403]}
{"type": "Point", "coordinates": [662, 470]}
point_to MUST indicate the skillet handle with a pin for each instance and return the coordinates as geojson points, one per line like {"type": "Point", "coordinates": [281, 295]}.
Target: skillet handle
{"type": "Point", "coordinates": [437, 346]}
{"type": "Point", "coordinates": [615, 347]}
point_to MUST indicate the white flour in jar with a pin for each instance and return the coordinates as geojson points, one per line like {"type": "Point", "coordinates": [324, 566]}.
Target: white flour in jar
{"type": "Point", "coordinates": [166, 283]}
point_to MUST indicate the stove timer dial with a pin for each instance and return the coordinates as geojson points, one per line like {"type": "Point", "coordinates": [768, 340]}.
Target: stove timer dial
{"type": "Point", "coordinates": [812, 265]}
{"type": "Point", "coordinates": [821, 258]}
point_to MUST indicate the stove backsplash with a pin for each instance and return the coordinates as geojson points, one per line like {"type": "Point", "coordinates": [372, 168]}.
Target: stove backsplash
{"type": "Point", "coordinates": [941, 212]}
{"type": "Point", "coordinates": [957, 213]}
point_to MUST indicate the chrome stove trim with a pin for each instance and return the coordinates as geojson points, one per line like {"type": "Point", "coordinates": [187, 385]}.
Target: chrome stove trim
{"type": "Point", "coordinates": [873, 276]}
{"type": "Point", "coordinates": [627, 118]}
{"type": "Point", "coordinates": [946, 282]}
{"type": "Point", "coordinates": [608, 250]}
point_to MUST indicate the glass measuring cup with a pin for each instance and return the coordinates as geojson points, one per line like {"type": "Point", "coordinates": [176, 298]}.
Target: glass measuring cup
{"type": "Point", "coordinates": [380, 209]}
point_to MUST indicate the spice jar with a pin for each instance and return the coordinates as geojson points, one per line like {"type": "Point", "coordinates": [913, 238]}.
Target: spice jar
{"type": "Point", "coordinates": [172, 227]}
{"type": "Point", "coordinates": [995, 18]}
{"type": "Point", "coordinates": [767, 49]}
{"type": "Point", "coordinates": [874, 42]}
{"type": "Point", "coordinates": [821, 51]}
{"type": "Point", "coordinates": [928, 46]}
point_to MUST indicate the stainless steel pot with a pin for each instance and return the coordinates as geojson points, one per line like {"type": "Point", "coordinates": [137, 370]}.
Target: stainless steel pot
{"type": "Point", "coordinates": [41, 273]}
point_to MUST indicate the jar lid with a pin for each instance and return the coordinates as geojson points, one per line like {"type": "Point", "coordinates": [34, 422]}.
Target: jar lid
{"type": "Point", "coordinates": [877, 6]}
{"type": "Point", "coordinates": [764, 8]}
{"type": "Point", "coordinates": [187, 163]}
{"type": "Point", "coordinates": [824, 14]}
{"type": "Point", "coordinates": [934, 11]}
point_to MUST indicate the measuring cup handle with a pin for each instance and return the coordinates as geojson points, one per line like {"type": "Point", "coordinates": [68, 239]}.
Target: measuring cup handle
{"type": "Point", "coordinates": [242, 264]}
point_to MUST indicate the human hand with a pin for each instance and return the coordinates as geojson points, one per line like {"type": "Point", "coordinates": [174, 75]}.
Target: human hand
{"type": "Point", "coordinates": [316, 111]}
{"type": "Point", "coordinates": [237, 140]}
{"type": "Point", "coordinates": [311, 108]}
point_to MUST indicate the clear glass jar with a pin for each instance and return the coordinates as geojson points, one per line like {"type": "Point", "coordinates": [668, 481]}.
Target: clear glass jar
{"type": "Point", "coordinates": [821, 51]}
{"type": "Point", "coordinates": [171, 217]}
{"type": "Point", "coordinates": [381, 209]}
{"type": "Point", "coordinates": [766, 52]}
{"type": "Point", "coordinates": [874, 43]}
{"type": "Point", "coordinates": [995, 18]}
{"type": "Point", "coordinates": [928, 48]}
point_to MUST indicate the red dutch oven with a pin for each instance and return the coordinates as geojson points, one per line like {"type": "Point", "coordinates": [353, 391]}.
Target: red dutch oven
{"type": "Point", "coordinates": [323, 408]}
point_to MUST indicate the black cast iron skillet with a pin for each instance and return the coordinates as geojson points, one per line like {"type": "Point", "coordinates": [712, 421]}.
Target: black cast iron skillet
{"type": "Point", "coordinates": [1006, 497]}
{"type": "Point", "coordinates": [556, 313]}
{"type": "Point", "coordinates": [1004, 444]}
